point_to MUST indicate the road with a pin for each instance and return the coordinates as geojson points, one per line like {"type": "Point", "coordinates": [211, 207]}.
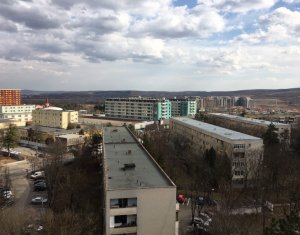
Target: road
{"type": "Point", "coordinates": [19, 182]}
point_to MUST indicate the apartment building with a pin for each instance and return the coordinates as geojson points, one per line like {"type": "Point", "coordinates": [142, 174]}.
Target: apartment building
{"type": "Point", "coordinates": [21, 113]}
{"type": "Point", "coordinates": [183, 107]}
{"type": "Point", "coordinates": [5, 123]}
{"type": "Point", "coordinates": [139, 197]}
{"type": "Point", "coordinates": [54, 117]}
{"type": "Point", "coordinates": [41, 136]}
{"type": "Point", "coordinates": [10, 97]}
{"type": "Point", "coordinates": [244, 151]}
{"type": "Point", "coordinates": [138, 108]}
{"type": "Point", "coordinates": [223, 103]}
{"type": "Point", "coordinates": [251, 126]}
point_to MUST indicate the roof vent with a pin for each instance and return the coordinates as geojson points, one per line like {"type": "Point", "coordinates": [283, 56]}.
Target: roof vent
{"type": "Point", "coordinates": [128, 166]}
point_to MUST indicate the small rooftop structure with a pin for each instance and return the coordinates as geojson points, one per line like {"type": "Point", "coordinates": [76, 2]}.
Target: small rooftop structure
{"type": "Point", "coordinates": [127, 164]}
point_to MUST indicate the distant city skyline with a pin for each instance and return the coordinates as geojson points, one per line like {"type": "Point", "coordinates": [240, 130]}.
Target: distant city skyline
{"type": "Point", "coordinates": [163, 45]}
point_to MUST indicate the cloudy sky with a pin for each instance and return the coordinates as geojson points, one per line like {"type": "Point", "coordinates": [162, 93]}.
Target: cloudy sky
{"type": "Point", "coordinates": [149, 44]}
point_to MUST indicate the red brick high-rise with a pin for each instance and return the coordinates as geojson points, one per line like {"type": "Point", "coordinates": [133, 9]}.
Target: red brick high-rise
{"type": "Point", "coordinates": [10, 97]}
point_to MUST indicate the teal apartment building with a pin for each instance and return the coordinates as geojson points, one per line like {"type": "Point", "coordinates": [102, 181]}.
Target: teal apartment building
{"type": "Point", "coordinates": [149, 109]}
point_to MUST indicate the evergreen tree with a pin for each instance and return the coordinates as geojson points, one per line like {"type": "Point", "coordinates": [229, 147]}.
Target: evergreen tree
{"type": "Point", "coordinates": [270, 137]}
{"type": "Point", "coordinates": [289, 225]}
{"type": "Point", "coordinates": [11, 138]}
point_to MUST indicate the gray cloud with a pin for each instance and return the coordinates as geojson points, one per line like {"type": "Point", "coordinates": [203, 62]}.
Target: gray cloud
{"type": "Point", "coordinates": [99, 25]}
{"type": "Point", "coordinates": [8, 26]}
{"type": "Point", "coordinates": [31, 17]}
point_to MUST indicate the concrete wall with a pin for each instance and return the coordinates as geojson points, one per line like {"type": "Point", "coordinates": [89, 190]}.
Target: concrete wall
{"type": "Point", "coordinates": [245, 159]}
{"type": "Point", "coordinates": [156, 210]}
{"type": "Point", "coordinates": [54, 118]}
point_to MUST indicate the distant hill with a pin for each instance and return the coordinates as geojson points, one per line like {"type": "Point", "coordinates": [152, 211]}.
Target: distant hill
{"type": "Point", "coordinates": [288, 96]}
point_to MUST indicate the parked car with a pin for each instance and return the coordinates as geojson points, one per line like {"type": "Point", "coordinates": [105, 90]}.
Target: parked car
{"type": "Point", "coordinates": [180, 198]}
{"type": "Point", "coordinates": [39, 181]}
{"type": "Point", "coordinates": [39, 200]}
{"type": "Point", "coordinates": [7, 203]}
{"type": "Point", "coordinates": [7, 194]}
{"type": "Point", "coordinates": [205, 201]}
{"type": "Point", "coordinates": [38, 175]}
{"type": "Point", "coordinates": [40, 186]}
{"type": "Point", "coordinates": [205, 217]}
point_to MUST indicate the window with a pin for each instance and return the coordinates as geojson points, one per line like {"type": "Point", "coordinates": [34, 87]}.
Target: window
{"type": "Point", "coordinates": [239, 146]}
{"type": "Point", "coordinates": [123, 202]}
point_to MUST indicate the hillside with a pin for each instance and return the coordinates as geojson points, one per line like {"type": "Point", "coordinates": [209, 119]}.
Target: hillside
{"type": "Point", "coordinates": [289, 96]}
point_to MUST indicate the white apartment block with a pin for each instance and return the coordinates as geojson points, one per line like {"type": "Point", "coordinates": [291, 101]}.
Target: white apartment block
{"type": "Point", "coordinates": [138, 108]}
{"type": "Point", "coordinates": [254, 125]}
{"type": "Point", "coordinates": [244, 151]}
{"type": "Point", "coordinates": [54, 117]}
{"type": "Point", "coordinates": [21, 113]}
{"type": "Point", "coordinates": [139, 197]}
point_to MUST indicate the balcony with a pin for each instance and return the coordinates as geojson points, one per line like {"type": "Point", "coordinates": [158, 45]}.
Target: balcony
{"type": "Point", "coordinates": [238, 150]}
{"type": "Point", "coordinates": [123, 230]}
{"type": "Point", "coordinates": [123, 224]}
{"type": "Point", "coordinates": [123, 211]}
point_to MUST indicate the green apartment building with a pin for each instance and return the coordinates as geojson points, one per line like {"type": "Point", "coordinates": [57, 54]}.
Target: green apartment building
{"type": "Point", "coordinates": [146, 109]}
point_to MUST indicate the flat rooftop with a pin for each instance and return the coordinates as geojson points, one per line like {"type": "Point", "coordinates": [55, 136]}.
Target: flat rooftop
{"type": "Point", "coordinates": [248, 120]}
{"type": "Point", "coordinates": [121, 148]}
{"type": "Point", "coordinates": [52, 130]}
{"type": "Point", "coordinates": [214, 130]}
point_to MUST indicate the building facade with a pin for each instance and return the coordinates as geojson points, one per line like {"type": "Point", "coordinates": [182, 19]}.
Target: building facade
{"type": "Point", "coordinates": [40, 136]}
{"type": "Point", "coordinates": [21, 113]}
{"type": "Point", "coordinates": [133, 181]}
{"type": "Point", "coordinates": [244, 151]}
{"type": "Point", "coordinates": [251, 126]}
{"type": "Point", "coordinates": [54, 117]}
{"type": "Point", "coordinates": [138, 108]}
{"type": "Point", "coordinates": [10, 97]}
{"type": "Point", "coordinates": [183, 107]}
{"type": "Point", "coordinates": [5, 123]}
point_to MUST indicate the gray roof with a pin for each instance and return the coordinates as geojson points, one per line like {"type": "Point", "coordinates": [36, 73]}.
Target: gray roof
{"type": "Point", "coordinates": [121, 148]}
{"type": "Point", "coordinates": [214, 130]}
{"type": "Point", "coordinates": [52, 130]}
{"type": "Point", "coordinates": [249, 120]}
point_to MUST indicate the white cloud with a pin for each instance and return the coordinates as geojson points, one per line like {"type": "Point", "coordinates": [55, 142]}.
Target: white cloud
{"type": "Point", "coordinates": [291, 1]}
{"type": "Point", "coordinates": [151, 43]}
{"type": "Point", "coordinates": [238, 5]}
{"type": "Point", "coordinates": [281, 25]}
{"type": "Point", "coordinates": [181, 22]}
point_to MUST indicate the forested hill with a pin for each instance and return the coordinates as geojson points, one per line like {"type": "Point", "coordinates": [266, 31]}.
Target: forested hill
{"type": "Point", "coordinates": [289, 96]}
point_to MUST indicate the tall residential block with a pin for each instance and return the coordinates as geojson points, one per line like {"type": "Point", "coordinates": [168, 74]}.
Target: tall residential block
{"type": "Point", "coordinates": [138, 108]}
{"type": "Point", "coordinates": [54, 117]}
{"type": "Point", "coordinates": [10, 97]}
{"type": "Point", "coordinates": [244, 151]}
{"type": "Point", "coordinates": [139, 197]}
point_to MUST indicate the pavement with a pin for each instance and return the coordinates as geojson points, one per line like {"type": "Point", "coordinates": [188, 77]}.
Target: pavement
{"type": "Point", "coordinates": [22, 186]}
{"type": "Point", "coordinates": [185, 215]}
{"type": "Point", "coordinates": [19, 182]}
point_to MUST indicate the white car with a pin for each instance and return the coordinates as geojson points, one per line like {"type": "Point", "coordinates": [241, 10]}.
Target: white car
{"type": "Point", "coordinates": [39, 200]}
{"type": "Point", "coordinates": [37, 175]}
{"type": "Point", "coordinates": [8, 194]}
